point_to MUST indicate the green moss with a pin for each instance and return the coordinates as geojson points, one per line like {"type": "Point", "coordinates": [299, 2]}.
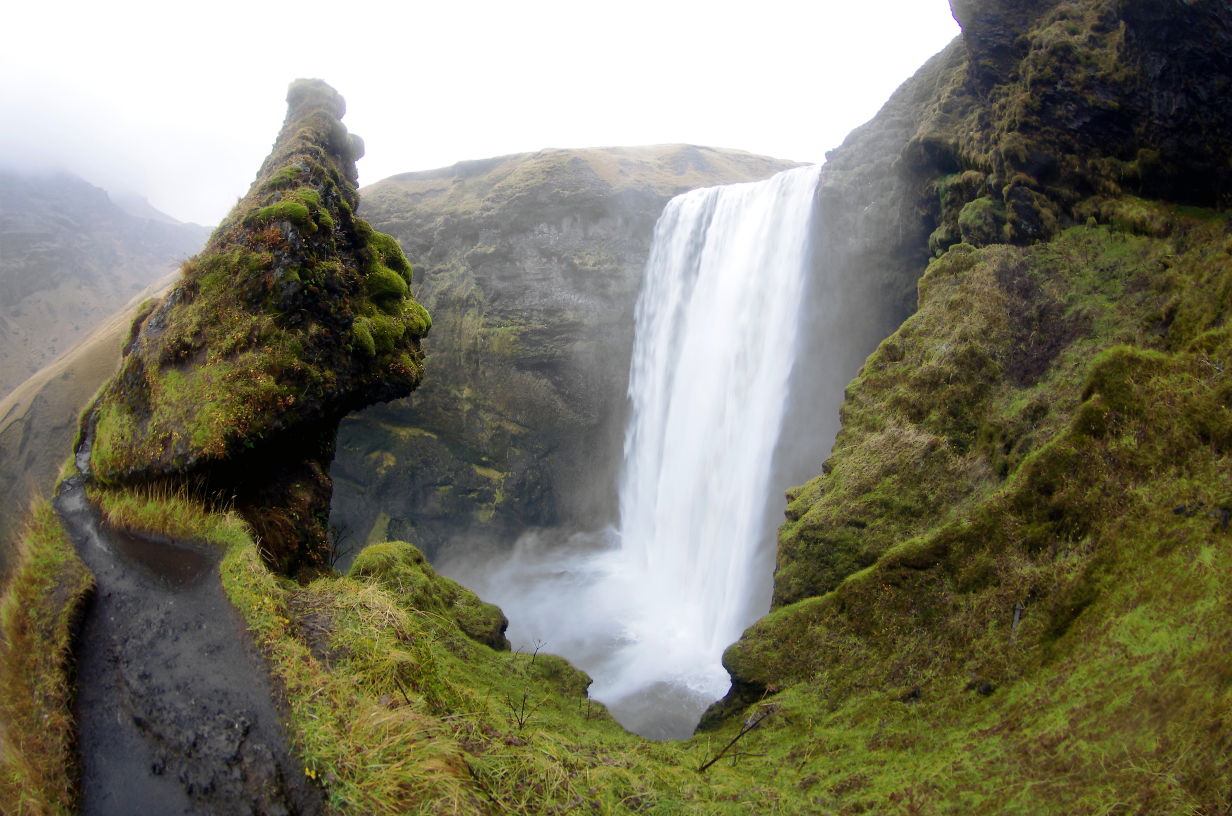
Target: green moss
{"type": "Point", "coordinates": [402, 569]}
{"type": "Point", "coordinates": [286, 176]}
{"type": "Point", "coordinates": [419, 322]}
{"type": "Point", "coordinates": [982, 222]}
{"type": "Point", "coordinates": [390, 254]}
{"type": "Point", "coordinates": [1117, 375]}
{"type": "Point", "coordinates": [286, 210]}
{"type": "Point", "coordinates": [385, 284]}
{"type": "Point", "coordinates": [362, 332]}
{"type": "Point", "coordinates": [387, 331]}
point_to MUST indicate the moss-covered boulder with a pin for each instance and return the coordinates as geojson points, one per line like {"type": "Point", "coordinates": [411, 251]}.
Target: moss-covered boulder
{"type": "Point", "coordinates": [296, 313]}
{"type": "Point", "coordinates": [402, 569]}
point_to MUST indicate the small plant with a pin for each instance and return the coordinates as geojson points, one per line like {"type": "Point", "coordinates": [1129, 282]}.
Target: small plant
{"type": "Point", "coordinates": [519, 710]}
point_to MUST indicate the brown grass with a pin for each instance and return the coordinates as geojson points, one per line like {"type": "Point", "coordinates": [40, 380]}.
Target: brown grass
{"type": "Point", "coordinates": [38, 612]}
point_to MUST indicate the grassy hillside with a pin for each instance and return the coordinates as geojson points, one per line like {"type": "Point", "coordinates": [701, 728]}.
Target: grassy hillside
{"type": "Point", "coordinates": [1026, 538]}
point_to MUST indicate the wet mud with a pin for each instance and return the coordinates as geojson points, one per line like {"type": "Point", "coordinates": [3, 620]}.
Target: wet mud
{"type": "Point", "coordinates": [175, 709]}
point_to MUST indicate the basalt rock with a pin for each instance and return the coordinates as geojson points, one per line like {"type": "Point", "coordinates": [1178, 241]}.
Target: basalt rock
{"type": "Point", "coordinates": [295, 314]}
{"type": "Point", "coordinates": [1059, 101]}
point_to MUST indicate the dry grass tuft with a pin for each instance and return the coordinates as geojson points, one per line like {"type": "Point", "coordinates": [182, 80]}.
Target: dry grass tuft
{"type": "Point", "coordinates": [38, 612]}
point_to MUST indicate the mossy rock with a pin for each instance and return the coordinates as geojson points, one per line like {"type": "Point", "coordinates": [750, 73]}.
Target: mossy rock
{"type": "Point", "coordinates": [982, 222]}
{"type": "Point", "coordinates": [402, 569]}
{"type": "Point", "coordinates": [295, 313]}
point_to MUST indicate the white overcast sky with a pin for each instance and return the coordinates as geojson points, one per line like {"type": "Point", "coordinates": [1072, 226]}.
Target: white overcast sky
{"type": "Point", "coordinates": [180, 102]}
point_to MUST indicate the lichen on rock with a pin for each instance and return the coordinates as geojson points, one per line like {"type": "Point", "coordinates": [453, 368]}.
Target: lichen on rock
{"type": "Point", "coordinates": [295, 313]}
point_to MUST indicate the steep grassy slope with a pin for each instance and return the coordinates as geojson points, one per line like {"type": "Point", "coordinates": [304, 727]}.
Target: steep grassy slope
{"type": "Point", "coordinates": [39, 609]}
{"type": "Point", "coordinates": [1013, 567]}
{"type": "Point", "coordinates": [38, 419]}
{"type": "Point", "coordinates": [531, 265]}
{"type": "Point", "coordinates": [1047, 527]}
{"type": "Point", "coordinates": [70, 255]}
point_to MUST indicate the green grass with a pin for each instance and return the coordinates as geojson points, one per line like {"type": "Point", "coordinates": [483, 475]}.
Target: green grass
{"type": "Point", "coordinates": [1087, 499]}
{"type": "Point", "coordinates": [396, 707]}
{"type": "Point", "coordinates": [38, 610]}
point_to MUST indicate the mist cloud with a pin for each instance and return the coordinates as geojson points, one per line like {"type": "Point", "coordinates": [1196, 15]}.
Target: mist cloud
{"type": "Point", "coordinates": [181, 103]}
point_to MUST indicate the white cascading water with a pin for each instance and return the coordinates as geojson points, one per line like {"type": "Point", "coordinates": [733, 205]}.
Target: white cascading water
{"type": "Point", "coordinates": [716, 332]}
{"type": "Point", "coordinates": [647, 611]}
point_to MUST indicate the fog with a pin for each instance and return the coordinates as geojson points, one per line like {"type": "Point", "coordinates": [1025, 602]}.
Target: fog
{"type": "Point", "coordinates": [180, 103]}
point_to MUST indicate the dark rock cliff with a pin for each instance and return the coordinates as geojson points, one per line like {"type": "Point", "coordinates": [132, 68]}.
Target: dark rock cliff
{"type": "Point", "coordinates": [295, 314]}
{"type": "Point", "coordinates": [531, 265]}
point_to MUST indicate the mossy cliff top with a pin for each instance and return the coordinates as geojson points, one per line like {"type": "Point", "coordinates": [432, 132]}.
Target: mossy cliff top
{"type": "Point", "coordinates": [1041, 105]}
{"type": "Point", "coordinates": [296, 313]}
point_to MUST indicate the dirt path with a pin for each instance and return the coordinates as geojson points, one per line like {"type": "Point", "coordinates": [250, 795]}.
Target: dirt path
{"type": "Point", "coordinates": [175, 708]}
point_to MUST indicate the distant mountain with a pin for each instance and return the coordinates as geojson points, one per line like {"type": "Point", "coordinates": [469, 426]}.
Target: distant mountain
{"type": "Point", "coordinates": [69, 257]}
{"type": "Point", "coordinates": [140, 206]}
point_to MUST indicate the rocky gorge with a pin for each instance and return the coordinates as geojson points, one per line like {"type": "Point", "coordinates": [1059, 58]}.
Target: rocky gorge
{"type": "Point", "coordinates": [532, 265]}
{"type": "Point", "coordinates": [1005, 589]}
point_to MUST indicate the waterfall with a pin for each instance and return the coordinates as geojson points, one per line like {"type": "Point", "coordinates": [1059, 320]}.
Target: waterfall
{"type": "Point", "coordinates": [713, 352]}
{"type": "Point", "coordinates": [648, 609]}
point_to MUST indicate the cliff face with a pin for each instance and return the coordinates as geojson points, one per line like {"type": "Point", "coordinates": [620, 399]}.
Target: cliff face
{"type": "Point", "coordinates": [531, 265]}
{"type": "Point", "coordinates": [296, 313]}
{"type": "Point", "coordinates": [1021, 538]}
{"type": "Point", "coordinates": [1041, 117]}
{"type": "Point", "coordinates": [70, 256]}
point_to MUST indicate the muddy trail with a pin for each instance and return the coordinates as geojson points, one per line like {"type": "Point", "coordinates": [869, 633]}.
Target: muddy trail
{"type": "Point", "coordinates": [175, 709]}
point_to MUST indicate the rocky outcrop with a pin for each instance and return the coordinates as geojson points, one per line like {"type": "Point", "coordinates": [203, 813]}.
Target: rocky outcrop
{"type": "Point", "coordinates": [1015, 539]}
{"type": "Point", "coordinates": [70, 256]}
{"type": "Point", "coordinates": [296, 313]}
{"type": "Point", "coordinates": [1041, 116]}
{"type": "Point", "coordinates": [531, 265]}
